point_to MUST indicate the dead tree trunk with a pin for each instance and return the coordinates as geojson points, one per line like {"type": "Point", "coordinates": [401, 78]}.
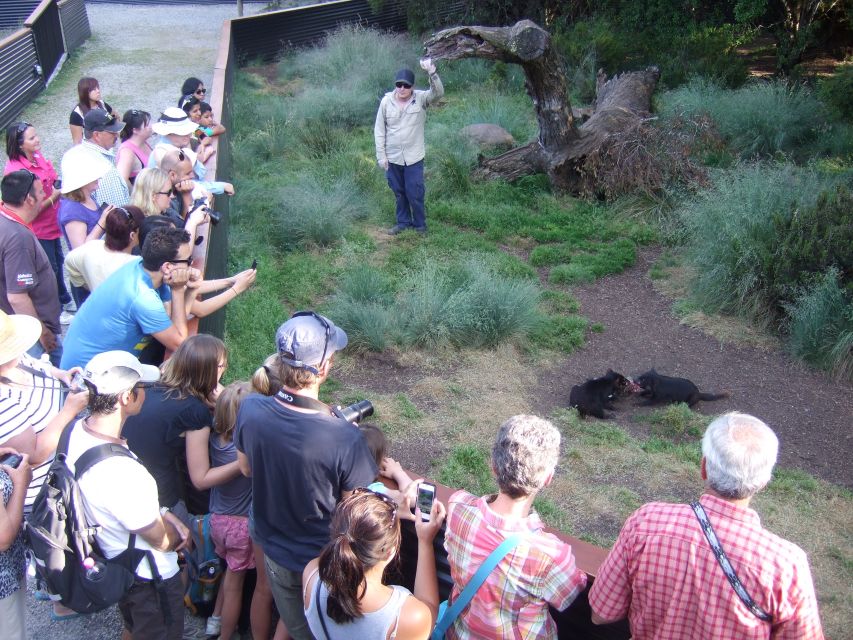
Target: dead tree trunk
{"type": "Point", "coordinates": [561, 147]}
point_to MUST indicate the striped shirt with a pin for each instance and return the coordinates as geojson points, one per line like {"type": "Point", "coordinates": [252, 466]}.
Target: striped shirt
{"type": "Point", "coordinates": [663, 575]}
{"type": "Point", "coordinates": [30, 405]}
{"type": "Point", "coordinates": [513, 601]}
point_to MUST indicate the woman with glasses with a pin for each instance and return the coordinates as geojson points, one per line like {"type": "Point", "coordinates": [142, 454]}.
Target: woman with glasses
{"type": "Point", "coordinates": [93, 262]}
{"type": "Point", "coordinates": [200, 144]}
{"type": "Point", "coordinates": [172, 428]}
{"type": "Point", "coordinates": [344, 593]}
{"type": "Point", "coordinates": [133, 152]}
{"type": "Point", "coordinates": [192, 86]}
{"type": "Point", "coordinates": [88, 98]}
{"type": "Point", "coordinates": [23, 146]}
{"type": "Point", "coordinates": [152, 191]}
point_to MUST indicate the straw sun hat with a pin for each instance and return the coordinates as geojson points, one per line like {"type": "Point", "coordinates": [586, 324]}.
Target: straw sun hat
{"type": "Point", "coordinates": [17, 334]}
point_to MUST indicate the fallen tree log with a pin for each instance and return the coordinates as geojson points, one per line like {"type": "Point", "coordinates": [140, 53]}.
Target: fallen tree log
{"type": "Point", "coordinates": [561, 148]}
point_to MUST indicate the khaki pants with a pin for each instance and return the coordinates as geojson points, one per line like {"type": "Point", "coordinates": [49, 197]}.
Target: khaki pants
{"type": "Point", "coordinates": [13, 613]}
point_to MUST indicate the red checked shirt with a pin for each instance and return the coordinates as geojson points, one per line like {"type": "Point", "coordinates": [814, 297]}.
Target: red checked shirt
{"type": "Point", "coordinates": [513, 601]}
{"type": "Point", "coordinates": [663, 576]}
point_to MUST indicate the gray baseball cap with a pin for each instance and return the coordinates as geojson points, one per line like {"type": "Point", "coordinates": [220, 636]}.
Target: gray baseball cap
{"type": "Point", "coordinates": [310, 338]}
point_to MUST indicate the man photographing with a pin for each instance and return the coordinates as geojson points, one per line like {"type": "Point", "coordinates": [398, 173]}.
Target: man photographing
{"type": "Point", "coordinates": [301, 458]}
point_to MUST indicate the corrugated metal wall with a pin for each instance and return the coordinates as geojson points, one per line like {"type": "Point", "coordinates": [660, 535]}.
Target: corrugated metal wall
{"type": "Point", "coordinates": [18, 83]}
{"type": "Point", "coordinates": [267, 35]}
{"type": "Point", "coordinates": [47, 30]}
{"type": "Point", "coordinates": [14, 12]}
{"type": "Point", "coordinates": [75, 23]}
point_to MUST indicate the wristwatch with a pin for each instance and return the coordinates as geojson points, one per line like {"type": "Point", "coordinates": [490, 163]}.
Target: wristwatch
{"type": "Point", "coordinates": [164, 511]}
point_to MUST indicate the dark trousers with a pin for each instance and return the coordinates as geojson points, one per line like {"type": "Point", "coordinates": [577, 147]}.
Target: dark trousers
{"type": "Point", "coordinates": [407, 183]}
{"type": "Point", "coordinates": [80, 294]}
{"type": "Point", "coordinates": [53, 249]}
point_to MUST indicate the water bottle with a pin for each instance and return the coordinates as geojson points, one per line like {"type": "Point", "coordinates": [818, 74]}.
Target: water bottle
{"type": "Point", "coordinates": [94, 570]}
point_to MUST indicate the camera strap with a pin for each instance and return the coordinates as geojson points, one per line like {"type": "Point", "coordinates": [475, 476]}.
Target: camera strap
{"type": "Point", "coordinates": [726, 565]}
{"type": "Point", "coordinates": [303, 402]}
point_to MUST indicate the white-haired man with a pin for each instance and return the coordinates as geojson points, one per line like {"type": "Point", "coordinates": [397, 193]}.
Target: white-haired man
{"type": "Point", "coordinates": [665, 576]}
{"type": "Point", "coordinates": [540, 571]}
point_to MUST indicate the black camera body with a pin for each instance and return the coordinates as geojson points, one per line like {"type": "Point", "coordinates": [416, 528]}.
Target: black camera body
{"type": "Point", "coordinates": [354, 412]}
{"type": "Point", "coordinates": [214, 216]}
{"type": "Point", "coordinates": [11, 460]}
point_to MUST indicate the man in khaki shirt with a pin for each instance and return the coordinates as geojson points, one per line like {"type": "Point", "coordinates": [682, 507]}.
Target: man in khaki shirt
{"type": "Point", "coordinates": [399, 136]}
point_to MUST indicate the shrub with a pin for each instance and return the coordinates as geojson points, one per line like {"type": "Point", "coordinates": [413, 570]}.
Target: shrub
{"type": "Point", "coordinates": [313, 213]}
{"type": "Point", "coordinates": [821, 325]}
{"type": "Point", "coordinates": [837, 92]}
{"type": "Point", "coordinates": [761, 118]}
{"type": "Point", "coordinates": [755, 232]}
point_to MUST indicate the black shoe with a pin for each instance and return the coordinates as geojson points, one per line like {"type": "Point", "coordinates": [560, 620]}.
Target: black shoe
{"type": "Point", "coordinates": [421, 230]}
{"type": "Point", "coordinates": [399, 228]}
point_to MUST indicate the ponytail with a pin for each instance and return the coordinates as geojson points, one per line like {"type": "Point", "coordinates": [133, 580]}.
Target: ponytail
{"type": "Point", "coordinates": [343, 574]}
{"type": "Point", "coordinates": [267, 378]}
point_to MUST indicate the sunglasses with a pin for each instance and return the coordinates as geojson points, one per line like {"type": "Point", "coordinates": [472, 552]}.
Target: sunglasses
{"type": "Point", "coordinates": [402, 85]}
{"type": "Point", "coordinates": [363, 491]}
{"type": "Point", "coordinates": [202, 91]}
{"type": "Point", "coordinates": [20, 129]}
{"type": "Point", "coordinates": [328, 330]}
{"type": "Point", "coordinates": [164, 193]}
{"type": "Point", "coordinates": [185, 261]}
{"type": "Point", "coordinates": [32, 178]}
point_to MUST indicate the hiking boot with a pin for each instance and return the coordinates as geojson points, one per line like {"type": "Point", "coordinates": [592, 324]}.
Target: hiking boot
{"type": "Point", "coordinates": [397, 228]}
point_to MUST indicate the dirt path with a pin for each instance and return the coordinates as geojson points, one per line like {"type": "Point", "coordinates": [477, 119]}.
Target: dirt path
{"type": "Point", "coordinates": [810, 413]}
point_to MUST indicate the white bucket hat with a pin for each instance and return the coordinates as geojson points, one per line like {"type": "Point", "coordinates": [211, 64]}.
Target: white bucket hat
{"type": "Point", "coordinates": [174, 120]}
{"type": "Point", "coordinates": [17, 334]}
{"type": "Point", "coordinates": [80, 166]}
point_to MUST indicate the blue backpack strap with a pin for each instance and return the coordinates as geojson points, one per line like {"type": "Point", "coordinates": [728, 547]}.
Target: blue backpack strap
{"type": "Point", "coordinates": [474, 585]}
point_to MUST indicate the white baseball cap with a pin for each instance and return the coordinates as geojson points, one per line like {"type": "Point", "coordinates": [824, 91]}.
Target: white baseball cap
{"type": "Point", "coordinates": [113, 372]}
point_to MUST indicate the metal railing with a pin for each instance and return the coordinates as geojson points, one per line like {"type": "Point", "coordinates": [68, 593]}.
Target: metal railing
{"type": "Point", "coordinates": [33, 53]}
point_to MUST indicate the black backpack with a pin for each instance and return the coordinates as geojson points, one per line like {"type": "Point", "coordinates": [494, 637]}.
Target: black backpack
{"type": "Point", "coordinates": [61, 537]}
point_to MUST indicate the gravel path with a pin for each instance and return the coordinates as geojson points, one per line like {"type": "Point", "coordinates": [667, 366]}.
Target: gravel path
{"type": "Point", "coordinates": [133, 53]}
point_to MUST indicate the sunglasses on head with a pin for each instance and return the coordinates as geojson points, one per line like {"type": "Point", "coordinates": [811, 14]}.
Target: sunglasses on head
{"type": "Point", "coordinates": [363, 491]}
{"type": "Point", "coordinates": [402, 85]}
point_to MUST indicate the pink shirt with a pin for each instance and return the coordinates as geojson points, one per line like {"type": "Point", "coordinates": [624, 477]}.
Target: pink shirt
{"type": "Point", "coordinates": [513, 601]}
{"type": "Point", "coordinates": [45, 226]}
{"type": "Point", "coordinates": [663, 575]}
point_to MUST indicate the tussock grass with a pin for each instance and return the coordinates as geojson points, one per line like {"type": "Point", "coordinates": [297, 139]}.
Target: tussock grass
{"type": "Point", "coordinates": [760, 118]}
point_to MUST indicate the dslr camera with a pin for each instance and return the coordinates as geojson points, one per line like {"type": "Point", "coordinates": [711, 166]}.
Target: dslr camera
{"type": "Point", "coordinates": [354, 412]}
{"type": "Point", "coordinates": [214, 216]}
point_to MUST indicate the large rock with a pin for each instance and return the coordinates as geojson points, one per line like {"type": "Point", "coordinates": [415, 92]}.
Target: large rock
{"type": "Point", "coordinates": [488, 135]}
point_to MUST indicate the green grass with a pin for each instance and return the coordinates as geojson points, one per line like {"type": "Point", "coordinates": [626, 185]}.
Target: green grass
{"type": "Point", "coordinates": [467, 467]}
{"type": "Point", "coordinates": [675, 422]}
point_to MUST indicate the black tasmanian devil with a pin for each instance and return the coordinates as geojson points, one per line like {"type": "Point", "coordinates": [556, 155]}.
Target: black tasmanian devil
{"type": "Point", "coordinates": [661, 389]}
{"type": "Point", "coordinates": [595, 395]}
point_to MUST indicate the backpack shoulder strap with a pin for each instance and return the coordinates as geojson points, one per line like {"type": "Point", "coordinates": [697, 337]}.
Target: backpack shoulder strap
{"type": "Point", "coordinates": [93, 456]}
{"type": "Point", "coordinates": [62, 445]}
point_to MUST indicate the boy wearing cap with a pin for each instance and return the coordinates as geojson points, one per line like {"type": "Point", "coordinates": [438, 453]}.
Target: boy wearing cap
{"type": "Point", "coordinates": [121, 496]}
{"type": "Point", "coordinates": [27, 282]}
{"type": "Point", "coordinates": [100, 132]}
{"type": "Point", "coordinates": [302, 460]}
{"type": "Point", "coordinates": [399, 136]}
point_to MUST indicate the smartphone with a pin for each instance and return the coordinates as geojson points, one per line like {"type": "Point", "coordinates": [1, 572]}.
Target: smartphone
{"type": "Point", "coordinates": [426, 496]}
{"type": "Point", "coordinates": [77, 383]}
{"type": "Point", "coordinates": [254, 264]}
{"type": "Point", "coordinates": [11, 460]}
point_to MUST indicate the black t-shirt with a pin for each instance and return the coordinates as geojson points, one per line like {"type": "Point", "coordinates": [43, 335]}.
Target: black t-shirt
{"type": "Point", "coordinates": [154, 435]}
{"type": "Point", "coordinates": [301, 463]}
{"type": "Point", "coordinates": [76, 119]}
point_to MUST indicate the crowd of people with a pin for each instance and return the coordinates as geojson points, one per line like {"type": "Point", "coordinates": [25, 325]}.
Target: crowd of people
{"type": "Point", "coordinates": [311, 501]}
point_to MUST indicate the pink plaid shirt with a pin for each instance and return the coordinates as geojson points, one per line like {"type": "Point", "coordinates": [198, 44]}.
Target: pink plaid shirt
{"type": "Point", "coordinates": [513, 601]}
{"type": "Point", "coordinates": [662, 574]}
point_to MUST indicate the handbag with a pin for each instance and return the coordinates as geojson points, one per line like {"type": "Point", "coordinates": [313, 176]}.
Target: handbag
{"type": "Point", "coordinates": [726, 565]}
{"type": "Point", "coordinates": [448, 614]}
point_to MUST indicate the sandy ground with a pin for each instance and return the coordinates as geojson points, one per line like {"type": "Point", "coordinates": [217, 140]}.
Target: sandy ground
{"type": "Point", "coordinates": [141, 56]}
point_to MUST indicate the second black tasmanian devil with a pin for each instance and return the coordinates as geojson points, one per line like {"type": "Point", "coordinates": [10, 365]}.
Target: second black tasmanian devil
{"type": "Point", "coordinates": [659, 389]}
{"type": "Point", "coordinates": [595, 395]}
